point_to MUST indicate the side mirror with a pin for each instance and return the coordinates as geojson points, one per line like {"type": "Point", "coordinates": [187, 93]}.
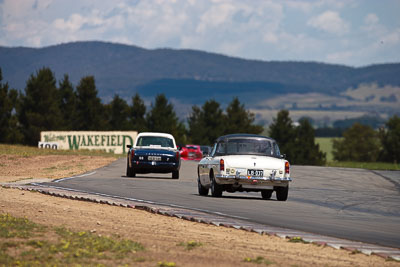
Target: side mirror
{"type": "Point", "coordinates": [129, 146]}
{"type": "Point", "coordinates": [283, 156]}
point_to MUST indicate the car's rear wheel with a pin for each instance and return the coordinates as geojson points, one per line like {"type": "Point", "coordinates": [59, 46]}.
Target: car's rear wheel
{"type": "Point", "coordinates": [175, 175]}
{"type": "Point", "coordinates": [282, 193]}
{"type": "Point", "coordinates": [266, 194]}
{"type": "Point", "coordinates": [216, 189]}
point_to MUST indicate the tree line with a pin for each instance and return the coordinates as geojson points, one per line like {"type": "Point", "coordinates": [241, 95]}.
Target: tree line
{"type": "Point", "coordinates": [45, 106]}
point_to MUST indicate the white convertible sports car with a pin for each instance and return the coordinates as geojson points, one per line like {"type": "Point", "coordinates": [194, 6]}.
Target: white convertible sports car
{"type": "Point", "coordinates": [244, 163]}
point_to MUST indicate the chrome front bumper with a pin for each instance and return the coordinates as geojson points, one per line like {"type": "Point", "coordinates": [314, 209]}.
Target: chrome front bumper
{"type": "Point", "coordinates": [251, 180]}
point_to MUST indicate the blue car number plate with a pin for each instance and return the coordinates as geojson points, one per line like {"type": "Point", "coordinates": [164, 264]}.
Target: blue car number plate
{"type": "Point", "coordinates": [258, 173]}
{"type": "Point", "coordinates": [154, 158]}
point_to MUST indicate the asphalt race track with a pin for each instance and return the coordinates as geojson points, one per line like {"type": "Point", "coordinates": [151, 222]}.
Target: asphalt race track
{"type": "Point", "coordinates": [354, 204]}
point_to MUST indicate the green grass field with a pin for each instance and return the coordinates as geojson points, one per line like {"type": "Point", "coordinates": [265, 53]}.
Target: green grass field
{"type": "Point", "coordinates": [325, 145]}
{"type": "Point", "coordinates": [383, 166]}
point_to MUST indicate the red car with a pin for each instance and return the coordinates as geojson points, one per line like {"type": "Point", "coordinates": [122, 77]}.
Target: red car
{"type": "Point", "coordinates": [191, 152]}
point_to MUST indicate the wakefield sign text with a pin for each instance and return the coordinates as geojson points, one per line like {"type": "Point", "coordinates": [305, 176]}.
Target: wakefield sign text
{"type": "Point", "coordinates": [110, 141]}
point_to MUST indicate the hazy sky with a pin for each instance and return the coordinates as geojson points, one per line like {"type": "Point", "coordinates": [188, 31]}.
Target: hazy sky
{"type": "Point", "coordinates": [350, 32]}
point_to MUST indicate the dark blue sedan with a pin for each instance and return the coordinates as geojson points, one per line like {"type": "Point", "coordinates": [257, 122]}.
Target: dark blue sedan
{"type": "Point", "coordinates": [153, 153]}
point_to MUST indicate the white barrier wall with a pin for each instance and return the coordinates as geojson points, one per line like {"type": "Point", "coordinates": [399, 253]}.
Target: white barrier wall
{"type": "Point", "coordinates": [109, 141]}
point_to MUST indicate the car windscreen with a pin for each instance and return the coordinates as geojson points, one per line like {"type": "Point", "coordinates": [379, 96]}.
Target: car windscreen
{"type": "Point", "coordinates": [247, 146]}
{"type": "Point", "coordinates": [205, 149]}
{"type": "Point", "coordinates": [191, 147]}
{"type": "Point", "coordinates": [155, 141]}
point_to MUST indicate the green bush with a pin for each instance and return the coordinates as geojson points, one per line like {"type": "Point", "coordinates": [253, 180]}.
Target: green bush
{"type": "Point", "coordinates": [390, 138]}
{"type": "Point", "coordinates": [360, 143]}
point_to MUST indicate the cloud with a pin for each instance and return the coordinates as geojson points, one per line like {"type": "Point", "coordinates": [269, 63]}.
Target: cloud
{"type": "Point", "coordinates": [303, 6]}
{"type": "Point", "coordinates": [73, 24]}
{"type": "Point", "coordinates": [372, 26]}
{"type": "Point", "coordinates": [330, 22]}
{"type": "Point", "coordinates": [307, 6]}
{"type": "Point", "coordinates": [16, 9]}
{"type": "Point", "coordinates": [227, 27]}
{"type": "Point", "coordinates": [371, 19]}
{"type": "Point", "coordinates": [392, 38]}
{"type": "Point", "coordinates": [341, 56]}
{"type": "Point", "coordinates": [161, 24]}
{"type": "Point", "coordinates": [215, 16]}
{"type": "Point", "coordinates": [297, 45]}
{"type": "Point", "coordinates": [270, 37]}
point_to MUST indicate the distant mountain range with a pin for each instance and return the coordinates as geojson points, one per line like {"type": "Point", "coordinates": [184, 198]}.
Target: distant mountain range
{"type": "Point", "coordinates": [186, 75]}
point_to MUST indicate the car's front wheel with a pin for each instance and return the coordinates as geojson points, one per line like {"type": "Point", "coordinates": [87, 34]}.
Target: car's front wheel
{"type": "Point", "coordinates": [266, 194]}
{"type": "Point", "coordinates": [216, 189]}
{"type": "Point", "coordinates": [175, 175]}
{"type": "Point", "coordinates": [282, 193]}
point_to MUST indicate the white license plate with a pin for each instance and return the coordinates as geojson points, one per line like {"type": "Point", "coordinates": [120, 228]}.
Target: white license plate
{"type": "Point", "coordinates": [258, 173]}
{"type": "Point", "coordinates": [154, 158]}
